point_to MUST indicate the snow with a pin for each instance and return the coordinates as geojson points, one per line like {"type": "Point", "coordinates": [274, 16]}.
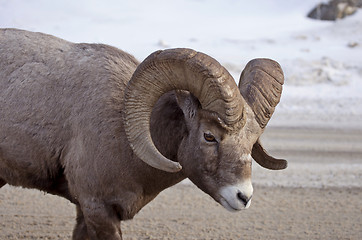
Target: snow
{"type": "Point", "coordinates": [321, 59]}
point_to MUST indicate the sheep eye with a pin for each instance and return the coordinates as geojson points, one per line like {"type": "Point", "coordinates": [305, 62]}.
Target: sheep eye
{"type": "Point", "coordinates": [209, 137]}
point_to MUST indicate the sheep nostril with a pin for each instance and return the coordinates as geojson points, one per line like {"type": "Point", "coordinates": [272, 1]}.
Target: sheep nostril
{"type": "Point", "coordinates": [243, 198]}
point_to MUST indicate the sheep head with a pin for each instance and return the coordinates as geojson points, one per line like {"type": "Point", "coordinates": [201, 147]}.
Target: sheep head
{"type": "Point", "coordinates": [223, 126]}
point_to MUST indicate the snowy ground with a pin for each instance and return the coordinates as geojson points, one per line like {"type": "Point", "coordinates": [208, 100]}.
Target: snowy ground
{"type": "Point", "coordinates": [321, 60]}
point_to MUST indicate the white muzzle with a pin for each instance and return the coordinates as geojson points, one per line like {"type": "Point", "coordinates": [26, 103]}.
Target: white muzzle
{"type": "Point", "coordinates": [236, 197]}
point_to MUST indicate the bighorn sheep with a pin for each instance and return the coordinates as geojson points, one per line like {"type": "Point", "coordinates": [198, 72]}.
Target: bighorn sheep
{"type": "Point", "coordinates": [89, 123]}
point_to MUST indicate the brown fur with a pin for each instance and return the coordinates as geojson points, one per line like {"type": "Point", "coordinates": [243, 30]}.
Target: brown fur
{"type": "Point", "coordinates": [61, 131]}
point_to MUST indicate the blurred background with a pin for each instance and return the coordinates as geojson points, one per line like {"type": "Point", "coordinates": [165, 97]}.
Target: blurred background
{"type": "Point", "coordinates": [321, 59]}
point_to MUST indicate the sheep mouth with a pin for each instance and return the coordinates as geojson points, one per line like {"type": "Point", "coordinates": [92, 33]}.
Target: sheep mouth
{"type": "Point", "coordinates": [228, 206]}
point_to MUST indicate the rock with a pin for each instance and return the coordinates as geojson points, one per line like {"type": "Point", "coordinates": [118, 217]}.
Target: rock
{"type": "Point", "coordinates": [352, 44]}
{"type": "Point", "coordinates": [335, 9]}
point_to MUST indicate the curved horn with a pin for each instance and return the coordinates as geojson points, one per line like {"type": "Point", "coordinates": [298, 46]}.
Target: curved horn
{"type": "Point", "coordinates": [265, 160]}
{"type": "Point", "coordinates": [182, 69]}
{"type": "Point", "coordinates": [261, 86]}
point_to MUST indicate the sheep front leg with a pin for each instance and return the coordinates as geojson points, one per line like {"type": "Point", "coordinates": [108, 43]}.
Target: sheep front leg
{"type": "Point", "coordinates": [80, 229]}
{"type": "Point", "coordinates": [101, 222]}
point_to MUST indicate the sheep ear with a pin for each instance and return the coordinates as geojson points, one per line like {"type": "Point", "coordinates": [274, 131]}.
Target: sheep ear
{"type": "Point", "coordinates": [265, 160]}
{"type": "Point", "coordinates": [188, 104]}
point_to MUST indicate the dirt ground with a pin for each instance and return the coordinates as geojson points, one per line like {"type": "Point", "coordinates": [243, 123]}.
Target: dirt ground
{"type": "Point", "coordinates": [294, 204]}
